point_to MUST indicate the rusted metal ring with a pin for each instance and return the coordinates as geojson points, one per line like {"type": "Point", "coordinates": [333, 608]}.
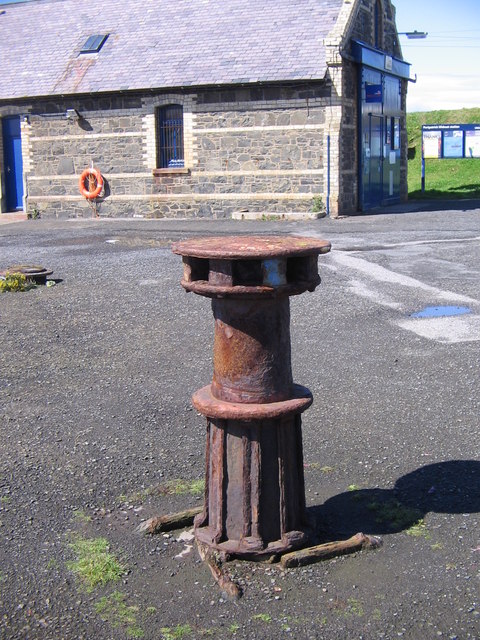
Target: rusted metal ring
{"type": "Point", "coordinates": [204, 288]}
{"type": "Point", "coordinates": [206, 403]}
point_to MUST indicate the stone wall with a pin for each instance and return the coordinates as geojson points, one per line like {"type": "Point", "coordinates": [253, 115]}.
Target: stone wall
{"type": "Point", "coordinates": [256, 149]}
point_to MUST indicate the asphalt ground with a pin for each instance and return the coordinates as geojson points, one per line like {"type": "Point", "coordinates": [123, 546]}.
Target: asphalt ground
{"type": "Point", "coordinates": [97, 431]}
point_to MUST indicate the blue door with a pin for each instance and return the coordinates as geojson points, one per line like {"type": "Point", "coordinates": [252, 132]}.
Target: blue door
{"type": "Point", "coordinates": [13, 165]}
{"type": "Point", "coordinates": [374, 163]}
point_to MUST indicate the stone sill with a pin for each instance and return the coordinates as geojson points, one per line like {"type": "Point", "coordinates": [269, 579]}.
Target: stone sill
{"type": "Point", "coordinates": [172, 171]}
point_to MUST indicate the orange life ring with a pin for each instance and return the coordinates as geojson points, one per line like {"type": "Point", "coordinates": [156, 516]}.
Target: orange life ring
{"type": "Point", "coordinates": [92, 175]}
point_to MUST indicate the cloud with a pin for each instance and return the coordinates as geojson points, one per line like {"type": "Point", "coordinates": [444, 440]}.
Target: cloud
{"type": "Point", "coordinates": [433, 92]}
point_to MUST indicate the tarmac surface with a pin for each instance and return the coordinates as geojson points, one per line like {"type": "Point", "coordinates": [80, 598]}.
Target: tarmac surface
{"type": "Point", "coordinates": [97, 432]}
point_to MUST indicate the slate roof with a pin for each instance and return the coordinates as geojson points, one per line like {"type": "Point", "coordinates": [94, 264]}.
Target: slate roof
{"type": "Point", "coordinates": [160, 44]}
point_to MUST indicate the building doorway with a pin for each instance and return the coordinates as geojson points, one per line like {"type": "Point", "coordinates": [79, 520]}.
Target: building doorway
{"type": "Point", "coordinates": [13, 163]}
{"type": "Point", "coordinates": [373, 179]}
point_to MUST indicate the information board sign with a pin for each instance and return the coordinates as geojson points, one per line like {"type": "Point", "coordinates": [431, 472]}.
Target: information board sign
{"type": "Point", "coordinates": [472, 143]}
{"type": "Point", "coordinates": [444, 141]}
{"type": "Point", "coordinates": [453, 144]}
{"type": "Point", "coordinates": [451, 140]}
{"type": "Point", "coordinates": [432, 144]}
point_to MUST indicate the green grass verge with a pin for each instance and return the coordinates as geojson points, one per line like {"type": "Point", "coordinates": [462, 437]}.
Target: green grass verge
{"type": "Point", "coordinates": [444, 179]}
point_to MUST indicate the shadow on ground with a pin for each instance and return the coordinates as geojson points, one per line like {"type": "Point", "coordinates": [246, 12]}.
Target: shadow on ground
{"type": "Point", "coordinates": [464, 198]}
{"type": "Point", "coordinates": [431, 201]}
{"type": "Point", "coordinates": [446, 487]}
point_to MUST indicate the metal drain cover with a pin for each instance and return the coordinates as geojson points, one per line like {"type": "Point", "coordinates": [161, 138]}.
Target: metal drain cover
{"type": "Point", "coordinates": [32, 272]}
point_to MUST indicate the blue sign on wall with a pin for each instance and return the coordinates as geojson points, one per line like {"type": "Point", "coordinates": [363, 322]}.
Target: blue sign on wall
{"type": "Point", "coordinates": [373, 92]}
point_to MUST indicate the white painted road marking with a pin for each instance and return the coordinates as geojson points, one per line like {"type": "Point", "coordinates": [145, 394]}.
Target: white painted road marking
{"type": "Point", "coordinates": [449, 330]}
{"type": "Point", "coordinates": [379, 274]}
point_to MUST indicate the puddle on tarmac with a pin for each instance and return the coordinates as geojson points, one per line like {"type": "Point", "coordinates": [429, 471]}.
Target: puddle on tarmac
{"type": "Point", "coordinates": [440, 312]}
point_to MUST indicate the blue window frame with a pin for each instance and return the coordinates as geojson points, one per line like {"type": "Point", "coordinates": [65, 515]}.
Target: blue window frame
{"type": "Point", "coordinates": [170, 137]}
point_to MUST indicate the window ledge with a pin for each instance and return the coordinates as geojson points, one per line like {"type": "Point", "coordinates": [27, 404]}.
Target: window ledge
{"type": "Point", "coordinates": [171, 170]}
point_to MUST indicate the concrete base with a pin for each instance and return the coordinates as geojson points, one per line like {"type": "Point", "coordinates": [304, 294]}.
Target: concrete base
{"type": "Point", "coordinates": [16, 216]}
{"type": "Point", "coordinates": [263, 215]}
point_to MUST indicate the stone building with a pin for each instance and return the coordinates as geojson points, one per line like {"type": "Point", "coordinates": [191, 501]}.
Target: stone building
{"type": "Point", "coordinates": [201, 108]}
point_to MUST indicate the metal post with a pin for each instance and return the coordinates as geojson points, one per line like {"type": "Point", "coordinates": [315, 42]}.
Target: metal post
{"type": "Point", "coordinates": [254, 491]}
{"type": "Point", "coordinates": [328, 174]}
{"type": "Point", "coordinates": [423, 166]}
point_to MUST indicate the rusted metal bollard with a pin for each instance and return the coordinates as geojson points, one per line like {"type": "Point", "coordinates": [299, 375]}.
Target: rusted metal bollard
{"type": "Point", "coordinates": [254, 492]}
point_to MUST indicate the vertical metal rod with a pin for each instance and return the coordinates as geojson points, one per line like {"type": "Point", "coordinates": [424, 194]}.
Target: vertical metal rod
{"type": "Point", "coordinates": [328, 175]}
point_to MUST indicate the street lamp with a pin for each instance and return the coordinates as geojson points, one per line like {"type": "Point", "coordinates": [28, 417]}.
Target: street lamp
{"type": "Point", "coordinates": [413, 35]}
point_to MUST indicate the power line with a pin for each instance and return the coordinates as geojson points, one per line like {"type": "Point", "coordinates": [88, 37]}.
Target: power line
{"type": "Point", "coordinates": [439, 46]}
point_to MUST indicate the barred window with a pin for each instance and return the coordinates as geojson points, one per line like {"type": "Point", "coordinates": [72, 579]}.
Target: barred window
{"type": "Point", "coordinates": [170, 137]}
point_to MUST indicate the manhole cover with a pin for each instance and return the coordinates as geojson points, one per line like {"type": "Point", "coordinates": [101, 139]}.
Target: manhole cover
{"type": "Point", "coordinates": [32, 272]}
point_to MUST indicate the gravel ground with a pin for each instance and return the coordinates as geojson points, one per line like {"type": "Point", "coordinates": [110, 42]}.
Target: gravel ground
{"type": "Point", "coordinates": [96, 429]}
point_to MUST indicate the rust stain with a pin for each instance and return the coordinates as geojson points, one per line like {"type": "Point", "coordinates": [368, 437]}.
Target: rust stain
{"type": "Point", "coordinates": [74, 73]}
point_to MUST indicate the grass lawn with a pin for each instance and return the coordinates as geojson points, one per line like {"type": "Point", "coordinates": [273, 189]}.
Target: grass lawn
{"type": "Point", "coordinates": [444, 179]}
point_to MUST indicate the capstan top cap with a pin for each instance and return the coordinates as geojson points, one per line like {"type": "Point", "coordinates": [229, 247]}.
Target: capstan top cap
{"type": "Point", "coordinates": [253, 247]}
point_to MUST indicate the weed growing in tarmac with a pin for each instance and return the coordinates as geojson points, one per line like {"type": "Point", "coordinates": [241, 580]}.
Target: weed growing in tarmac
{"type": "Point", "coordinates": [264, 617]}
{"type": "Point", "coordinates": [15, 282]}
{"type": "Point", "coordinates": [114, 610]}
{"type": "Point", "coordinates": [318, 466]}
{"type": "Point", "coordinates": [95, 565]}
{"type": "Point", "coordinates": [80, 516]}
{"type": "Point", "coordinates": [354, 607]}
{"type": "Point", "coordinates": [395, 514]}
{"type": "Point", "coordinates": [353, 487]}
{"type": "Point", "coordinates": [418, 530]}
{"type": "Point", "coordinates": [176, 633]}
{"type": "Point", "coordinates": [176, 486]}
{"type": "Point", "coordinates": [52, 564]}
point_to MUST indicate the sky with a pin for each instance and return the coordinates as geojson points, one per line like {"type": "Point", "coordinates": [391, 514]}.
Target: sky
{"type": "Point", "coordinates": [447, 62]}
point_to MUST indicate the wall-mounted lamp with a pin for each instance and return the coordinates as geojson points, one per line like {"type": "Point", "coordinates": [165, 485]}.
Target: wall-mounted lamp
{"type": "Point", "coordinates": [72, 114]}
{"type": "Point", "coordinates": [414, 35]}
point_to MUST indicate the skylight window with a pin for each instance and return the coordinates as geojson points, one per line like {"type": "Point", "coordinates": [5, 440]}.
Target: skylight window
{"type": "Point", "coordinates": [94, 43]}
